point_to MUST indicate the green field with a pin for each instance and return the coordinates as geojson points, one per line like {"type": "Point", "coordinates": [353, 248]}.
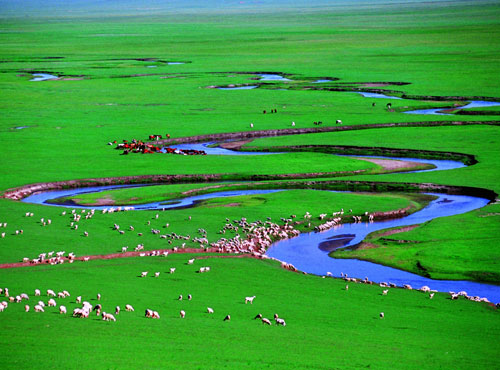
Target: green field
{"type": "Point", "coordinates": [119, 78]}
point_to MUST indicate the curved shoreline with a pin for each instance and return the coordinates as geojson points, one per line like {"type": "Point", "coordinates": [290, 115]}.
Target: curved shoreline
{"type": "Point", "coordinates": [244, 135]}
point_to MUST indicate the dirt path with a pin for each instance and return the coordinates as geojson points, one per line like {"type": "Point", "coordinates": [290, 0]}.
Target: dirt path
{"type": "Point", "coordinates": [391, 164]}
{"type": "Point", "coordinates": [159, 252]}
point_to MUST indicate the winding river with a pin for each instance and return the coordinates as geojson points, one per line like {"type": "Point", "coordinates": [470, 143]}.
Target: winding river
{"type": "Point", "coordinates": [309, 251]}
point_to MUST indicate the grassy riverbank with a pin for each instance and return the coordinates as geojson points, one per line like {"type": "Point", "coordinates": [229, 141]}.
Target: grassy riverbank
{"type": "Point", "coordinates": [318, 312]}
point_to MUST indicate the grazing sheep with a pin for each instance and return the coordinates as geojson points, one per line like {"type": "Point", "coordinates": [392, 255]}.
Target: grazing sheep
{"type": "Point", "coordinates": [40, 303]}
{"type": "Point", "coordinates": [66, 293]}
{"type": "Point", "coordinates": [266, 321]}
{"type": "Point", "coordinates": [61, 295]}
{"type": "Point", "coordinates": [431, 295]}
{"type": "Point", "coordinates": [26, 308]}
{"type": "Point", "coordinates": [98, 296]}
{"type": "Point", "coordinates": [338, 122]}
{"type": "Point", "coordinates": [258, 316]}
{"type": "Point", "coordinates": [144, 273]}
{"type": "Point", "coordinates": [107, 317]}
{"type": "Point", "coordinates": [129, 308]}
{"type": "Point", "coordinates": [117, 310]}
{"type": "Point", "coordinates": [183, 314]}
{"type": "Point", "coordinates": [180, 297]}
{"type": "Point", "coordinates": [191, 261]}
{"type": "Point", "coordinates": [210, 310]}
{"type": "Point", "coordinates": [79, 299]}
{"type": "Point", "coordinates": [172, 270]}
{"type": "Point", "coordinates": [280, 321]}
{"type": "Point", "coordinates": [249, 299]}
{"type": "Point", "coordinates": [347, 287]}
{"type": "Point", "coordinates": [227, 318]}
{"type": "Point", "coordinates": [50, 293]}
{"type": "Point", "coordinates": [39, 308]}
{"type": "Point", "coordinates": [148, 313]}
{"type": "Point", "coordinates": [190, 297]}
{"type": "Point", "coordinates": [385, 292]}
{"type": "Point", "coordinates": [156, 315]}
{"type": "Point", "coordinates": [157, 274]}
{"type": "Point", "coordinates": [381, 315]}
{"type": "Point", "coordinates": [62, 310]}
{"type": "Point", "coordinates": [51, 303]}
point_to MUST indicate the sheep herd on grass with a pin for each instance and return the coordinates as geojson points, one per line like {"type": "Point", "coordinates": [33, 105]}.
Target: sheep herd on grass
{"type": "Point", "coordinates": [254, 239]}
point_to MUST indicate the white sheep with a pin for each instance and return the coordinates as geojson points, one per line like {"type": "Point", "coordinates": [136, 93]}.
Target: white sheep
{"type": "Point", "coordinates": [61, 295]}
{"type": "Point", "coordinates": [98, 296]}
{"type": "Point", "coordinates": [157, 274]}
{"type": "Point", "coordinates": [249, 299]}
{"type": "Point", "coordinates": [431, 295]}
{"type": "Point", "coordinates": [108, 317]}
{"type": "Point", "coordinates": [144, 273]}
{"type": "Point", "coordinates": [172, 270]}
{"type": "Point", "coordinates": [79, 299]}
{"type": "Point", "coordinates": [210, 310]}
{"type": "Point", "coordinates": [129, 308]}
{"type": "Point", "coordinates": [40, 303]}
{"type": "Point", "coordinates": [183, 314]}
{"type": "Point", "coordinates": [62, 310]}
{"type": "Point", "coordinates": [50, 293]}
{"type": "Point", "coordinates": [381, 315]}
{"type": "Point", "coordinates": [26, 308]}
{"type": "Point", "coordinates": [191, 261]}
{"type": "Point", "coordinates": [266, 321]}
{"type": "Point", "coordinates": [51, 303]}
{"type": "Point", "coordinates": [385, 292]}
{"type": "Point", "coordinates": [156, 315]}
{"type": "Point", "coordinates": [117, 310]}
{"type": "Point", "coordinates": [39, 308]}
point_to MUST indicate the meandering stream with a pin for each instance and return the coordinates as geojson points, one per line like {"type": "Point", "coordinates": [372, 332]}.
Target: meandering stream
{"type": "Point", "coordinates": [309, 251]}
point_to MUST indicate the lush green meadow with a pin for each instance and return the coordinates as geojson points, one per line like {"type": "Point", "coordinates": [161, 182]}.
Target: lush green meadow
{"type": "Point", "coordinates": [327, 326]}
{"type": "Point", "coordinates": [119, 80]}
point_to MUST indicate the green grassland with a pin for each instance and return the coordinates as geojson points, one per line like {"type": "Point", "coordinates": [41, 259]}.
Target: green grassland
{"type": "Point", "coordinates": [115, 83]}
{"type": "Point", "coordinates": [327, 326]}
{"type": "Point", "coordinates": [210, 215]}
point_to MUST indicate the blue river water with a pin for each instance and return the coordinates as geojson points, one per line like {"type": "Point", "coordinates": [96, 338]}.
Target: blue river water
{"type": "Point", "coordinates": [43, 77]}
{"type": "Point", "coordinates": [308, 253]}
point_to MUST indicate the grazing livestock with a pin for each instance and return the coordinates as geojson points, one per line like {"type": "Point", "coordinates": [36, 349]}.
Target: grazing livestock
{"type": "Point", "coordinates": [156, 315]}
{"type": "Point", "coordinates": [51, 303]}
{"type": "Point", "coordinates": [107, 317]}
{"type": "Point", "coordinates": [249, 299]}
{"type": "Point", "coordinates": [79, 299]}
{"type": "Point", "coordinates": [431, 295]}
{"type": "Point", "coordinates": [157, 274]}
{"type": "Point", "coordinates": [180, 297]}
{"type": "Point", "coordinates": [117, 310]}
{"type": "Point", "coordinates": [144, 273]}
{"type": "Point", "coordinates": [191, 261]}
{"type": "Point", "coordinates": [62, 310]}
{"type": "Point", "coordinates": [280, 321]}
{"type": "Point", "coordinates": [381, 315]}
{"type": "Point", "coordinates": [210, 310]}
{"type": "Point", "coordinates": [172, 270]}
{"type": "Point", "coordinates": [385, 292]}
{"type": "Point", "coordinates": [26, 308]}
{"type": "Point", "coordinates": [50, 293]}
{"type": "Point", "coordinates": [98, 296]}
{"type": "Point", "coordinates": [189, 297]}
{"type": "Point", "coordinates": [129, 308]}
{"type": "Point", "coordinates": [183, 314]}
{"type": "Point", "coordinates": [338, 122]}
{"type": "Point", "coordinates": [227, 318]}
{"type": "Point", "coordinates": [39, 308]}
{"type": "Point", "coordinates": [97, 309]}
{"type": "Point", "coordinates": [266, 321]}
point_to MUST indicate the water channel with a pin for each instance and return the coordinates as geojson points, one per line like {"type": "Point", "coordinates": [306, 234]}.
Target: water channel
{"type": "Point", "coordinates": [309, 251]}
